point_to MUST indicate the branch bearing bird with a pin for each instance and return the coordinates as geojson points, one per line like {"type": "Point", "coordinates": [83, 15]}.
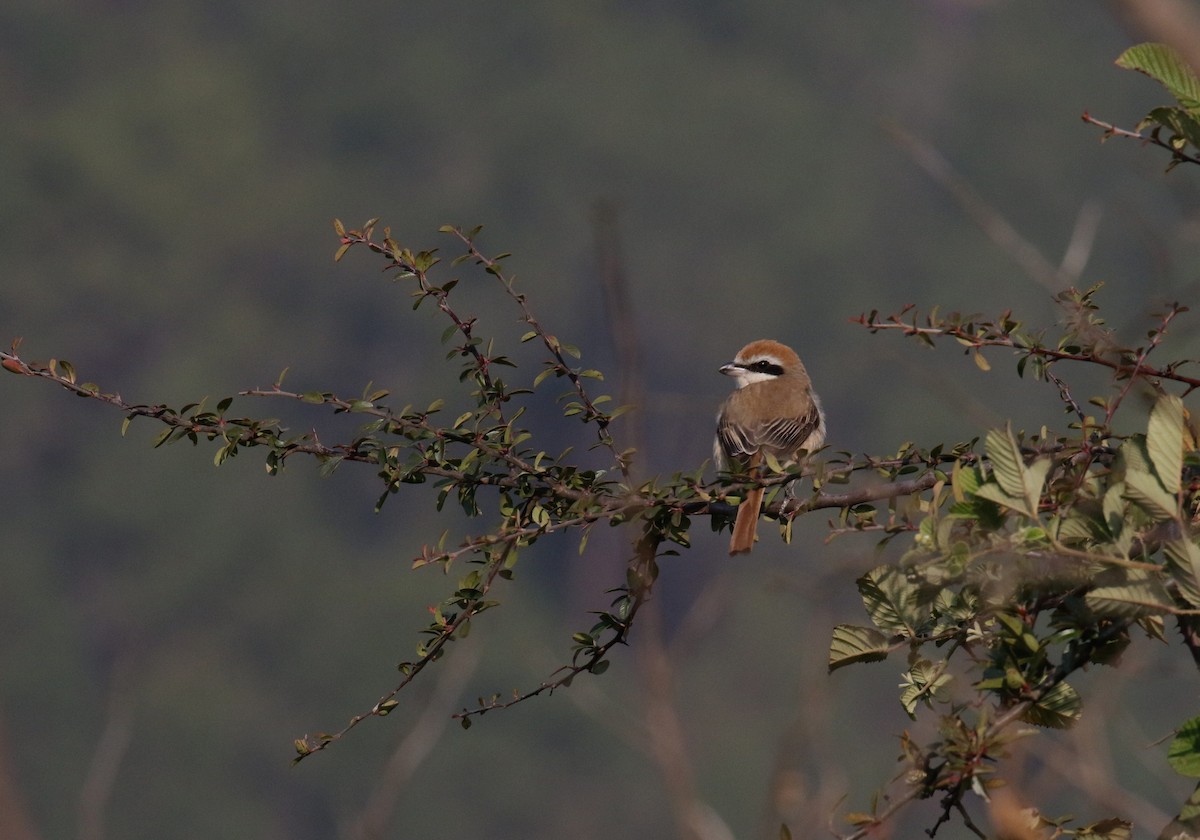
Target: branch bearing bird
{"type": "Point", "coordinates": [773, 410]}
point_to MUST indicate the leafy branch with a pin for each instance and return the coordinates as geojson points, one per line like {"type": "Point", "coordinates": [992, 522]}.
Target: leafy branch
{"type": "Point", "coordinates": [1039, 558]}
{"type": "Point", "coordinates": [485, 460]}
{"type": "Point", "coordinates": [1175, 128]}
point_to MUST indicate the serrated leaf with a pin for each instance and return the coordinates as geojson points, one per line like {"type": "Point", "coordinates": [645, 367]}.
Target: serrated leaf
{"type": "Point", "coordinates": [995, 493]}
{"type": "Point", "coordinates": [890, 599]}
{"type": "Point", "coordinates": [1078, 526]}
{"type": "Point", "coordinates": [1058, 709]}
{"type": "Point", "coordinates": [1164, 441]}
{"type": "Point", "coordinates": [1141, 593]}
{"type": "Point", "coordinates": [1035, 480]}
{"type": "Point", "coordinates": [922, 682]}
{"type": "Point", "coordinates": [1145, 491]}
{"type": "Point", "coordinates": [1167, 67]}
{"type": "Point", "coordinates": [1184, 753]}
{"type": "Point", "coordinates": [1005, 457]}
{"type": "Point", "coordinates": [1114, 509]}
{"type": "Point", "coordinates": [852, 644]}
{"type": "Point", "coordinates": [1183, 562]}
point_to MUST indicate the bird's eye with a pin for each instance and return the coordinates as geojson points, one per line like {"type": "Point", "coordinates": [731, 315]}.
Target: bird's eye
{"type": "Point", "coordinates": [766, 366]}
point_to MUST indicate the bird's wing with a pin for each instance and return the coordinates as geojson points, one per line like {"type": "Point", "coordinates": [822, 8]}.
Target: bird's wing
{"type": "Point", "coordinates": [735, 442]}
{"type": "Point", "coordinates": [787, 435]}
{"type": "Point", "coordinates": [783, 436]}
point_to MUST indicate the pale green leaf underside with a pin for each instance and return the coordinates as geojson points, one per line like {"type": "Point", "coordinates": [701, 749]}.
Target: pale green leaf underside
{"type": "Point", "coordinates": [1167, 67]}
{"type": "Point", "coordinates": [852, 644]}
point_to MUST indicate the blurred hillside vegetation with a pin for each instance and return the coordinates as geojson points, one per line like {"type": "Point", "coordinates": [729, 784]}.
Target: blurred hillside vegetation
{"type": "Point", "coordinates": [170, 172]}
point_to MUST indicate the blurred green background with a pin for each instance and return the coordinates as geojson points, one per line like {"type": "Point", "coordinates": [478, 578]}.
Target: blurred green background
{"type": "Point", "coordinates": [169, 175]}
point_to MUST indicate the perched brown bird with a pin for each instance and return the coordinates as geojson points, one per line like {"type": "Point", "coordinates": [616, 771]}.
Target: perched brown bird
{"type": "Point", "coordinates": [773, 409]}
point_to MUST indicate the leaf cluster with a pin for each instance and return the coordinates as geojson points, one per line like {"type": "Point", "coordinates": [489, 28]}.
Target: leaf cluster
{"type": "Point", "coordinates": [1175, 128]}
{"type": "Point", "coordinates": [1045, 556]}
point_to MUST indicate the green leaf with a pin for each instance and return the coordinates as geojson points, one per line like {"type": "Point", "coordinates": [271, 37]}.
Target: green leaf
{"type": "Point", "coordinates": [1114, 506]}
{"type": "Point", "coordinates": [1183, 561]}
{"type": "Point", "coordinates": [963, 480]}
{"type": "Point", "coordinates": [890, 599]}
{"type": "Point", "coordinates": [852, 644]}
{"type": "Point", "coordinates": [1019, 631]}
{"type": "Point", "coordinates": [1179, 122]}
{"type": "Point", "coordinates": [1184, 752]}
{"type": "Point", "coordinates": [995, 493]}
{"type": "Point", "coordinates": [1140, 593]}
{"type": "Point", "coordinates": [329, 465]}
{"type": "Point", "coordinates": [1005, 457]}
{"type": "Point", "coordinates": [1035, 480]}
{"type": "Point", "coordinates": [1164, 441]}
{"type": "Point", "coordinates": [1078, 526]}
{"type": "Point", "coordinates": [1167, 67]}
{"type": "Point", "coordinates": [1145, 491]}
{"type": "Point", "coordinates": [923, 681]}
{"type": "Point", "coordinates": [1058, 708]}
{"type": "Point", "coordinates": [227, 451]}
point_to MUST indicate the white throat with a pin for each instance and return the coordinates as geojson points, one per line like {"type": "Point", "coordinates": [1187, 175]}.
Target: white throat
{"type": "Point", "coordinates": [749, 377]}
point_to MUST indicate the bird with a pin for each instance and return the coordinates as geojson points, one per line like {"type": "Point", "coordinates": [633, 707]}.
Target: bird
{"type": "Point", "coordinates": [773, 409]}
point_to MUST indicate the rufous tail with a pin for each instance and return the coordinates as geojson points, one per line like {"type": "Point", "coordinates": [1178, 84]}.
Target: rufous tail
{"type": "Point", "coordinates": [745, 527]}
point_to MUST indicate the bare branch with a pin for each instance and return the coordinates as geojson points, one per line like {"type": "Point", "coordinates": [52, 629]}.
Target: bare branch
{"type": "Point", "coordinates": [1153, 139]}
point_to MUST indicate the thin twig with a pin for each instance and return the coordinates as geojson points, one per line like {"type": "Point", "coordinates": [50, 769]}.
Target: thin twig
{"type": "Point", "coordinates": [412, 750]}
{"type": "Point", "coordinates": [1111, 130]}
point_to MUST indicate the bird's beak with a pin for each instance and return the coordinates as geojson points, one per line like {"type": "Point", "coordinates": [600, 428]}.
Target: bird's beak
{"type": "Point", "coordinates": [730, 369]}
